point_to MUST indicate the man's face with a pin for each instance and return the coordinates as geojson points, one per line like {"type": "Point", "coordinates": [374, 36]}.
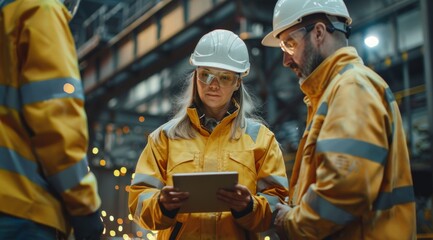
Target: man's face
{"type": "Point", "coordinates": [300, 53]}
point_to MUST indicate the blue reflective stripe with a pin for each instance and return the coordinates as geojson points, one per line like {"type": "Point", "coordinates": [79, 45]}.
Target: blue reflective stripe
{"type": "Point", "coordinates": [353, 147]}
{"type": "Point", "coordinates": [270, 181]}
{"type": "Point", "coordinates": [147, 180]}
{"type": "Point", "coordinates": [272, 200]}
{"type": "Point", "coordinates": [323, 109]}
{"type": "Point", "coordinates": [141, 198]}
{"type": "Point", "coordinates": [252, 129]}
{"type": "Point", "coordinates": [327, 210]}
{"type": "Point", "coordinates": [390, 98]}
{"type": "Point", "coordinates": [9, 97]}
{"type": "Point", "coordinates": [347, 67]}
{"type": "Point", "coordinates": [4, 3]}
{"type": "Point", "coordinates": [401, 195]}
{"type": "Point", "coordinates": [69, 177]}
{"type": "Point", "coordinates": [13, 162]}
{"type": "Point", "coordinates": [51, 89]}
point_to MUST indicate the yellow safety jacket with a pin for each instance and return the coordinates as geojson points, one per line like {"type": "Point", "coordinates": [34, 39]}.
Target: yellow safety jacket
{"type": "Point", "coordinates": [43, 127]}
{"type": "Point", "coordinates": [256, 156]}
{"type": "Point", "coordinates": [351, 178]}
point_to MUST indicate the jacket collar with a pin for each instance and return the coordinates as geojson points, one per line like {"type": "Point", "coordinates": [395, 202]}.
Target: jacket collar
{"type": "Point", "coordinates": [199, 120]}
{"type": "Point", "coordinates": [315, 84]}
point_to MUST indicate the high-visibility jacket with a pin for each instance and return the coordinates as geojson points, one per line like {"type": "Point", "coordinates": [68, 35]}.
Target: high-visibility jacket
{"type": "Point", "coordinates": [256, 156]}
{"type": "Point", "coordinates": [43, 127]}
{"type": "Point", "coordinates": [351, 178]}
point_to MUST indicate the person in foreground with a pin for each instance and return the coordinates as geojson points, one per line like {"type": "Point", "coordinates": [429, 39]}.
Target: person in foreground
{"type": "Point", "coordinates": [46, 186]}
{"type": "Point", "coordinates": [351, 178]}
{"type": "Point", "coordinates": [213, 131]}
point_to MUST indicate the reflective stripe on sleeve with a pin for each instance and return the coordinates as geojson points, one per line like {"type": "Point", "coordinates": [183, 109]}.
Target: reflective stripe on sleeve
{"type": "Point", "coordinates": [147, 180]}
{"type": "Point", "coordinates": [141, 198]}
{"type": "Point", "coordinates": [401, 195]}
{"type": "Point", "coordinates": [327, 210]}
{"type": "Point", "coordinates": [69, 177]}
{"type": "Point", "coordinates": [51, 89]}
{"type": "Point", "coordinates": [390, 99]}
{"type": "Point", "coordinates": [4, 3]}
{"type": "Point", "coordinates": [13, 162]}
{"type": "Point", "coordinates": [272, 200]}
{"type": "Point", "coordinates": [271, 181]}
{"type": "Point", "coordinates": [323, 110]}
{"type": "Point", "coordinates": [9, 97]}
{"type": "Point", "coordinates": [353, 147]}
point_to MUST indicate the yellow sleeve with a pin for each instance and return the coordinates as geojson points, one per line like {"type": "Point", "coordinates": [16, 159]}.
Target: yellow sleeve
{"type": "Point", "coordinates": [52, 100]}
{"type": "Point", "coordinates": [150, 178]}
{"type": "Point", "coordinates": [272, 183]}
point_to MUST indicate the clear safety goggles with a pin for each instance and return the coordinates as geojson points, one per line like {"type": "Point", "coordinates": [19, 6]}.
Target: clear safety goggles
{"type": "Point", "coordinates": [224, 79]}
{"type": "Point", "coordinates": [295, 37]}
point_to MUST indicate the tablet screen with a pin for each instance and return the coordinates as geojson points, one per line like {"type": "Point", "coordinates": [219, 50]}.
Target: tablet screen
{"type": "Point", "coordinates": [202, 188]}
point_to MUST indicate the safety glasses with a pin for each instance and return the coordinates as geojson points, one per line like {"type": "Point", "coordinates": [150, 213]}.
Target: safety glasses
{"type": "Point", "coordinates": [224, 79]}
{"type": "Point", "coordinates": [295, 37]}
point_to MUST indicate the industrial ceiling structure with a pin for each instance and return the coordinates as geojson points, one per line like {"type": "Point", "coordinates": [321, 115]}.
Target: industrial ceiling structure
{"type": "Point", "coordinates": [133, 56]}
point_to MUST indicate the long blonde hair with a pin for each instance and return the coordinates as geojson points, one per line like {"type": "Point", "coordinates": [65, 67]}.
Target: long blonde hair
{"type": "Point", "coordinates": [180, 126]}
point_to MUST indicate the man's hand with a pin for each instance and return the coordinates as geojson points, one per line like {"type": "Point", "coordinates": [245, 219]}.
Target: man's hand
{"type": "Point", "coordinates": [87, 227]}
{"type": "Point", "coordinates": [237, 198]}
{"type": "Point", "coordinates": [282, 210]}
{"type": "Point", "coordinates": [171, 198]}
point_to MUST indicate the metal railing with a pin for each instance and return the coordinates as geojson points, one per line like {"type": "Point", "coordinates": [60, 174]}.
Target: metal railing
{"type": "Point", "coordinates": [106, 22]}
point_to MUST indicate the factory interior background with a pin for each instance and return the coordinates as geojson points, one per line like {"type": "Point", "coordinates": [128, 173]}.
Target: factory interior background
{"type": "Point", "coordinates": [133, 55]}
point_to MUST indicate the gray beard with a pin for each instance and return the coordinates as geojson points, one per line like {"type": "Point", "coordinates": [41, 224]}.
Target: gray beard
{"type": "Point", "coordinates": [312, 59]}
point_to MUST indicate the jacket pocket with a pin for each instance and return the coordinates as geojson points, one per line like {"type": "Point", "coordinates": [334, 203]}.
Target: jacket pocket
{"type": "Point", "coordinates": [181, 162]}
{"type": "Point", "coordinates": [242, 162]}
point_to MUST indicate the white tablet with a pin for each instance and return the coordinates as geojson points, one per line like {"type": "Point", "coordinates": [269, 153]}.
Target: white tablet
{"type": "Point", "coordinates": [202, 188]}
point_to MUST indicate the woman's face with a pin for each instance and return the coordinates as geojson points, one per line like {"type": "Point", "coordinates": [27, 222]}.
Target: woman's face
{"type": "Point", "coordinates": [215, 88]}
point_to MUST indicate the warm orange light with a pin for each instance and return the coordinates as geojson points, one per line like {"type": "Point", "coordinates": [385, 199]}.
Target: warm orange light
{"type": "Point", "coordinates": [102, 162]}
{"type": "Point", "coordinates": [68, 88]}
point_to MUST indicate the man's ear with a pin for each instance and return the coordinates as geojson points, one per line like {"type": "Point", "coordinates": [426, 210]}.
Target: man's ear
{"type": "Point", "coordinates": [320, 32]}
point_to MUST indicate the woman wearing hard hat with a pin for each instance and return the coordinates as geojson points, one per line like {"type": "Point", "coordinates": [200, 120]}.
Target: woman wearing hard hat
{"type": "Point", "coordinates": [214, 131]}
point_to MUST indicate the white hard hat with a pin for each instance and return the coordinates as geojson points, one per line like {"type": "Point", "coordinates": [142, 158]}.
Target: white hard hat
{"type": "Point", "coordinates": [288, 13]}
{"type": "Point", "coordinates": [71, 5]}
{"type": "Point", "coordinates": [222, 49]}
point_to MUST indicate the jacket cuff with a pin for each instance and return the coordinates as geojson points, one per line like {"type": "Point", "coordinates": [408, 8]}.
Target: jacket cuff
{"type": "Point", "coordinates": [244, 212]}
{"type": "Point", "coordinates": [168, 213]}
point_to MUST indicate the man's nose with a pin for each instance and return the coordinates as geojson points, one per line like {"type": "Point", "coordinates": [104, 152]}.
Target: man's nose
{"type": "Point", "coordinates": [287, 59]}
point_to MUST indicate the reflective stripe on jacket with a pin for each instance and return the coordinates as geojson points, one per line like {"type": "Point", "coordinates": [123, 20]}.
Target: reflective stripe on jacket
{"type": "Point", "coordinates": [351, 178]}
{"type": "Point", "coordinates": [43, 125]}
{"type": "Point", "coordinates": [256, 156]}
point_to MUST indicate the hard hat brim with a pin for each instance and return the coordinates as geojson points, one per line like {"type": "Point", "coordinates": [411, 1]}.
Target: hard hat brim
{"type": "Point", "coordinates": [270, 40]}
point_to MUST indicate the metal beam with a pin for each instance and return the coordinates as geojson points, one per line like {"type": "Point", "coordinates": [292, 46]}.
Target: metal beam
{"type": "Point", "coordinates": [103, 2]}
{"type": "Point", "coordinates": [383, 13]}
{"type": "Point", "coordinates": [427, 18]}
